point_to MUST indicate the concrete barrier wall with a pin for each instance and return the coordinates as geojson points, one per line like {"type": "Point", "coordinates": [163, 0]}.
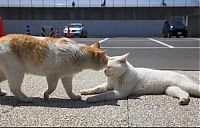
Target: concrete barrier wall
{"type": "Point", "coordinates": [194, 25]}
{"type": "Point", "coordinates": [99, 28]}
{"type": "Point", "coordinates": [96, 13]}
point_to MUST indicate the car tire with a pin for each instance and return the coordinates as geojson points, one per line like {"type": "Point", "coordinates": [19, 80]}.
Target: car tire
{"type": "Point", "coordinates": [81, 35]}
{"type": "Point", "coordinates": [85, 36]}
{"type": "Point", "coordinates": [168, 35]}
{"type": "Point", "coordinates": [164, 35]}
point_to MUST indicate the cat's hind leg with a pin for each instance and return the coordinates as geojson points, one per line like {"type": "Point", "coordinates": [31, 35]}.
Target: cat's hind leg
{"type": "Point", "coordinates": [191, 87]}
{"type": "Point", "coordinates": [98, 89]}
{"type": "Point", "coordinates": [67, 83]}
{"type": "Point", "coordinates": [177, 92]}
{"type": "Point", "coordinates": [52, 82]}
{"type": "Point", "coordinates": [2, 78]}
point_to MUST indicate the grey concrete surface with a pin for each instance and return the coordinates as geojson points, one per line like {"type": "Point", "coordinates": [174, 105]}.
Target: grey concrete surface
{"type": "Point", "coordinates": [149, 110]}
{"type": "Point", "coordinates": [162, 110]}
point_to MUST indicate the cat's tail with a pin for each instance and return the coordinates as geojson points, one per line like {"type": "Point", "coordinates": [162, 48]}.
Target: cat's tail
{"type": "Point", "coordinates": [188, 85]}
{"type": "Point", "coordinates": [193, 89]}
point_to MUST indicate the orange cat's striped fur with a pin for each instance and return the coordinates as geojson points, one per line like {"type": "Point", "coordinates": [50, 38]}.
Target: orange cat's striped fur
{"type": "Point", "coordinates": [55, 58]}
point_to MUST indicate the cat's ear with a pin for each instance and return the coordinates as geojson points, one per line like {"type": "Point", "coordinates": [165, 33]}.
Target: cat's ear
{"type": "Point", "coordinates": [108, 57]}
{"type": "Point", "coordinates": [96, 45]}
{"type": "Point", "coordinates": [123, 58]}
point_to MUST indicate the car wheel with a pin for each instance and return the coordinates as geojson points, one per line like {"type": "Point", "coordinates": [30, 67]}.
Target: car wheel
{"type": "Point", "coordinates": [164, 35]}
{"type": "Point", "coordinates": [81, 35]}
{"type": "Point", "coordinates": [168, 35]}
{"type": "Point", "coordinates": [85, 36]}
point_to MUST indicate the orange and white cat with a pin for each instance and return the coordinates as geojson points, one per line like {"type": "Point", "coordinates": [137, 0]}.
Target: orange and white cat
{"type": "Point", "coordinates": [55, 58]}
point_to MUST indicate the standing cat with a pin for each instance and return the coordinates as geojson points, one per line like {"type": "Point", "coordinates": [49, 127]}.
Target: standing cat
{"type": "Point", "coordinates": [123, 80]}
{"type": "Point", "coordinates": [54, 58]}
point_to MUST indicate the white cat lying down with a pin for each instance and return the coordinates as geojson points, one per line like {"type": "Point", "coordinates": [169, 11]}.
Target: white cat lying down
{"type": "Point", "coordinates": [123, 80]}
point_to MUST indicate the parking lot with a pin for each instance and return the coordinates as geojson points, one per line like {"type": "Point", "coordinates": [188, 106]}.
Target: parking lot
{"type": "Point", "coordinates": [178, 54]}
{"type": "Point", "coordinates": [157, 53]}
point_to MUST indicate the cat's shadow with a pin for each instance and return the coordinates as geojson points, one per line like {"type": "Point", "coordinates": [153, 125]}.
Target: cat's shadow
{"type": "Point", "coordinates": [53, 102]}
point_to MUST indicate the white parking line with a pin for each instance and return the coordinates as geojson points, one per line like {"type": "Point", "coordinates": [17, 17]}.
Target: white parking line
{"type": "Point", "coordinates": [196, 39]}
{"type": "Point", "coordinates": [151, 47]}
{"type": "Point", "coordinates": [103, 40]}
{"type": "Point", "coordinates": [174, 40]}
{"type": "Point", "coordinates": [157, 41]}
{"type": "Point", "coordinates": [131, 41]}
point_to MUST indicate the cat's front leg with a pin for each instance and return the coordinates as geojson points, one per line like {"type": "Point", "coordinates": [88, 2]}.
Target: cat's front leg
{"type": "Point", "coordinates": [110, 95]}
{"type": "Point", "coordinates": [99, 89]}
{"type": "Point", "coordinates": [2, 78]}
{"type": "Point", "coordinates": [2, 92]}
{"type": "Point", "coordinates": [67, 83]}
{"type": "Point", "coordinates": [52, 82]}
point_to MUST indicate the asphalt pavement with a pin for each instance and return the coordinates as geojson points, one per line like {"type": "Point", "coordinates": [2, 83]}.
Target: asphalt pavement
{"type": "Point", "coordinates": [178, 54]}
{"type": "Point", "coordinates": [156, 53]}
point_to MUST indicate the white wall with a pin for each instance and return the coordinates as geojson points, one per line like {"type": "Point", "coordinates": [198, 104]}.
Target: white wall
{"type": "Point", "coordinates": [97, 28]}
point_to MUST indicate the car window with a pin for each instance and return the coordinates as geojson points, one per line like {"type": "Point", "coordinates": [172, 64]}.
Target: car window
{"type": "Point", "coordinates": [75, 26]}
{"type": "Point", "coordinates": [176, 23]}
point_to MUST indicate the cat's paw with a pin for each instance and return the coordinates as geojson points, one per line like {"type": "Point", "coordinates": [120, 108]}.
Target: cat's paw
{"type": "Point", "coordinates": [46, 97]}
{"type": "Point", "coordinates": [76, 97]}
{"type": "Point", "coordinates": [91, 100]}
{"type": "Point", "coordinates": [84, 92]}
{"type": "Point", "coordinates": [184, 101]}
{"type": "Point", "coordinates": [3, 93]}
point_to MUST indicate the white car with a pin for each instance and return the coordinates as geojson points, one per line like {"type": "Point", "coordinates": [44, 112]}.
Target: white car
{"type": "Point", "coordinates": [76, 29]}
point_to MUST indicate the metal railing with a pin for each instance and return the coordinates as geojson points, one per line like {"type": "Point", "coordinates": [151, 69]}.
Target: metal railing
{"type": "Point", "coordinates": [98, 3]}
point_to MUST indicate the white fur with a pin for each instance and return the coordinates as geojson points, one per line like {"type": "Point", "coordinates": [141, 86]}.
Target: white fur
{"type": "Point", "coordinates": [124, 80]}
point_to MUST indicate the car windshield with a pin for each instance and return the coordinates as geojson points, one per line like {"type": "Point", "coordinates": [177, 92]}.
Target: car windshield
{"type": "Point", "coordinates": [176, 23]}
{"type": "Point", "coordinates": [75, 26]}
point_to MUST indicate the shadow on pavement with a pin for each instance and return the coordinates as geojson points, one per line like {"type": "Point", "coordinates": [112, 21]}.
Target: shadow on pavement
{"type": "Point", "coordinates": [53, 102]}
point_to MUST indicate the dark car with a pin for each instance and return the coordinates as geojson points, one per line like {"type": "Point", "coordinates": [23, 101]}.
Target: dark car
{"type": "Point", "coordinates": [174, 28]}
